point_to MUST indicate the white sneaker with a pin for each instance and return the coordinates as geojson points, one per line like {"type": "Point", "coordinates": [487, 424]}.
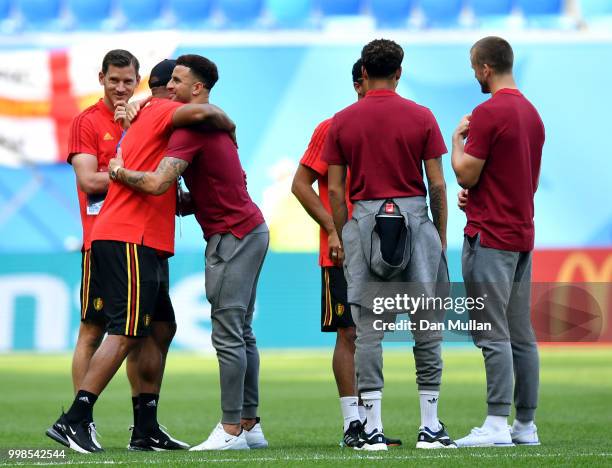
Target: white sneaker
{"type": "Point", "coordinates": [486, 437]}
{"type": "Point", "coordinates": [526, 436]}
{"type": "Point", "coordinates": [255, 437]}
{"type": "Point", "coordinates": [221, 440]}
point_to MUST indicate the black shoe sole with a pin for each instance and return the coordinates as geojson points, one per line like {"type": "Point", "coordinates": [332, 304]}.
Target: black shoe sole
{"type": "Point", "coordinates": [56, 436]}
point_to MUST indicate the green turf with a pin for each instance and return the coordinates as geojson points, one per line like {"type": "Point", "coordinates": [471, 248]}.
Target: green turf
{"type": "Point", "coordinates": [301, 416]}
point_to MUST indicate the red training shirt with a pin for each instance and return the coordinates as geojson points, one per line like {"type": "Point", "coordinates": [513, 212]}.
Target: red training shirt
{"type": "Point", "coordinates": [216, 181]}
{"type": "Point", "coordinates": [312, 159]}
{"type": "Point", "coordinates": [508, 133]}
{"type": "Point", "coordinates": [94, 131]}
{"type": "Point", "coordinates": [135, 217]}
{"type": "Point", "coordinates": [384, 138]}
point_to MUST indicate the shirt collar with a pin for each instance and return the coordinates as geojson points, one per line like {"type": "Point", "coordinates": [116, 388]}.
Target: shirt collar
{"type": "Point", "coordinates": [516, 92]}
{"type": "Point", "coordinates": [380, 92]}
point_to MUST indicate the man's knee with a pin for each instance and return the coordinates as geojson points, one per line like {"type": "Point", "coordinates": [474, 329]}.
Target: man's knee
{"type": "Point", "coordinates": [163, 334]}
{"type": "Point", "coordinates": [91, 334]}
{"type": "Point", "coordinates": [346, 336]}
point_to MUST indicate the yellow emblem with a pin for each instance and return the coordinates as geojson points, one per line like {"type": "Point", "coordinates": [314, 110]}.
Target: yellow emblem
{"type": "Point", "coordinates": [147, 320]}
{"type": "Point", "coordinates": [339, 309]}
{"type": "Point", "coordinates": [98, 303]}
{"type": "Point", "coordinates": [108, 137]}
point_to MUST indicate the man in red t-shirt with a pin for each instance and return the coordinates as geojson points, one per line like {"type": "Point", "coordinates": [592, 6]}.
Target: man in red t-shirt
{"type": "Point", "coordinates": [385, 140]}
{"type": "Point", "coordinates": [237, 242]}
{"type": "Point", "coordinates": [94, 136]}
{"type": "Point", "coordinates": [500, 166]}
{"type": "Point", "coordinates": [335, 310]}
{"type": "Point", "coordinates": [131, 240]}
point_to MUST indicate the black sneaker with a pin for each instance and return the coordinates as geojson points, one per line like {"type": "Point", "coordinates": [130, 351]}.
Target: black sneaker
{"type": "Point", "coordinates": [393, 442]}
{"type": "Point", "coordinates": [352, 434]}
{"type": "Point", "coordinates": [428, 439]}
{"type": "Point", "coordinates": [158, 440]}
{"type": "Point", "coordinates": [80, 436]}
{"type": "Point", "coordinates": [374, 441]}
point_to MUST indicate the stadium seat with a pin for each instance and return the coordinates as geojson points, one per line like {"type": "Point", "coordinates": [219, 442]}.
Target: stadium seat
{"type": "Point", "coordinates": [289, 13]}
{"type": "Point", "coordinates": [87, 14]}
{"type": "Point", "coordinates": [441, 12]}
{"type": "Point", "coordinates": [391, 13]}
{"type": "Point", "coordinates": [340, 7]}
{"type": "Point", "coordinates": [190, 14]}
{"type": "Point", "coordinates": [547, 14]}
{"type": "Point", "coordinates": [240, 12]}
{"type": "Point", "coordinates": [5, 9]}
{"type": "Point", "coordinates": [140, 14]}
{"type": "Point", "coordinates": [38, 13]}
{"type": "Point", "coordinates": [492, 13]}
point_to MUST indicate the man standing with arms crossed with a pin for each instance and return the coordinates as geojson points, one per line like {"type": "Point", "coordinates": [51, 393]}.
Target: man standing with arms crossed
{"type": "Point", "coordinates": [237, 241]}
{"type": "Point", "coordinates": [500, 165]}
{"type": "Point", "coordinates": [131, 240]}
{"type": "Point", "coordinates": [385, 140]}
{"type": "Point", "coordinates": [335, 311]}
{"type": "Point", "coordinates": [94, 136]}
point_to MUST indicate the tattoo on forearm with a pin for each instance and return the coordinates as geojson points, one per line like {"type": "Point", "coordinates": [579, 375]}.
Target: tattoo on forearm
{"type": "Point", "coordinates": [165, 175]}
{"type": "Point", "coordinates": [437, 201]}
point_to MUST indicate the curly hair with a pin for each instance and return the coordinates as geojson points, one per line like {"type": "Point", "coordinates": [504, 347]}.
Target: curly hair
{"type": "Point", "coordinates": [381, 58]}
{"type": "Point", "coordinates": [202, 68]}
{"type": "Point", "coordinates": [495, 52]}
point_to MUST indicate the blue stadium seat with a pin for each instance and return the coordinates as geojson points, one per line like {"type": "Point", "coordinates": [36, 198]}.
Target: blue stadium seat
{"type": "Point", "coordinates": [391, 13]}
{"type": "Point", "coordinates": [547, 14]}
{"type": "Point", "coordinates": [340, 7]}
{"type": "Point", "coordinates": [441, 12]}
{"type": "Point", "coordinates": [597, 13]}
{"type": "Point", "coordinates": [39, 12]}
{"type": "Point", "coordinates": [140, 13]}
{"type": "Point", "coordinates": [241, 11]}
{"type": "Point", "coordinates": [190, 13]}
{"type": "Point", "coordinates": [89, 14]}
{"type": "Point", "coordinates": [290, 13]}
{"type": "Point", "coordinates": [491, 7]}
{"type": "Point", "coordinates": [5, 9]}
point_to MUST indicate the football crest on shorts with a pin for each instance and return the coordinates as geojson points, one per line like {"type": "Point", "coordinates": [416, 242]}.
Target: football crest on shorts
{"type": "Point", "coordinates": [98, 303]}
{"type": "Point", "coordinates": [147, 320]}
{"type": "Point", "coordinates": [339, 310]}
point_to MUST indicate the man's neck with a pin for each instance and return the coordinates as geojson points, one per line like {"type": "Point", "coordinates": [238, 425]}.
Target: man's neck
{"type": "Point", "coordinates": [382, 84]}
{"type": "Point", "coordinates": [109, 104]}
{"type": "Point", "coordinates": [199, 99]}
{"type": "Point", "coordinates": [501, 82]}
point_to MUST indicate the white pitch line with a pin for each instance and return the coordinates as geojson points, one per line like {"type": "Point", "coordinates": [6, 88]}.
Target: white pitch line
{"type": "Point", "coordinates": [91, 461]}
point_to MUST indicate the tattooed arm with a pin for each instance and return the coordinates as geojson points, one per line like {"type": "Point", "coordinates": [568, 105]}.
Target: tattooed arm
{"type": "Point", "coordinates": [437, 196]}
{"type": "Point", "coordinates": [154, 183]}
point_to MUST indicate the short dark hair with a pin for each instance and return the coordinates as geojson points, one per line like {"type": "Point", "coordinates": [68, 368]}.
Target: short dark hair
{"type": "Point", "coordinates": [357, 74]}
{"type": "Point", "coordinates": [202, 68]}
{"type": "Point", "coordinates": [381, 58]}
{"type": "Point", "coordinates": [495, 52]}
{"type": "Point", "coordinates": [119, 58]}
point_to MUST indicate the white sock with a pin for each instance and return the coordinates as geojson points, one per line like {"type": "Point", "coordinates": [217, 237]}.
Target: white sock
{"type": "Point", "coordinates": [428, 400]}
{"type": "Point", "coordinates": [348, 406]}
{"type": "Point", "coordinates": [372, 404]}
{"type": "Point", "coordinates": [519, 426]}
{"type": "Point", "coordinates": [362, 413]}
{"type": "Point", "coordinates": [496, 423]}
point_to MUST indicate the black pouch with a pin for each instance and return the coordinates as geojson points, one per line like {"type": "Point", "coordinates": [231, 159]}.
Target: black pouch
{"type": "Point", "coordinates": [393, 233]}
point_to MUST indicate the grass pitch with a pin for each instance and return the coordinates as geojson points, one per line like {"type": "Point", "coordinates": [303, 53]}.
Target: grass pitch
{"type": "Point", "coordinates": [301, 416]}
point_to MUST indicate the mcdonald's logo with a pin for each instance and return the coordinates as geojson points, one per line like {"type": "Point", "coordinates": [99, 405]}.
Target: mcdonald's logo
{"type": "Point", "coordinates": [580, 262]}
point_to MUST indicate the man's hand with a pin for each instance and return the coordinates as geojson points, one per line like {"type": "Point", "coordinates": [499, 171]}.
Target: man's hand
{"type": "Point", "coordinates": [462, 130]}
{"type": "Point", "coordinates": [462, 199]}
{"type": "Point", "coordinates": [121, 114]}
{"type": "Point", "coordinates": [336, 252]}
{"type": "Point", "coordinates": [115, 164]}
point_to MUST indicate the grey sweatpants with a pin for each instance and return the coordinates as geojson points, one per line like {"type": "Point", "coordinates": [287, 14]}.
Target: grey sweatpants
{"type": "Point", "coordinates": [232, 271]}
{"type": "Point", "coordinates": [427, 265]}
{"type": "Point", "coordinates": [510, 349]}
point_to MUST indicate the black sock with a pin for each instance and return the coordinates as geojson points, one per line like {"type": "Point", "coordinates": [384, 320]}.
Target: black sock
{"type": "Point", "coordinates": [147, 412]}
{"type": "Point", "coordinates": [135, 409]}
{"type": "Point", "coordinates": [82, 407]}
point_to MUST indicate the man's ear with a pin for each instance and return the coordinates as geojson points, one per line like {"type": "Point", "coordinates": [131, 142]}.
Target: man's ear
{"type": "Point", "coordinates": [197, 88]}
{"type": "Point", "coordinates": [398, 73]}
{"type": "Point", "coordinates": [101, 77]}
{"type": "Point", "coordinates": [364, 73]}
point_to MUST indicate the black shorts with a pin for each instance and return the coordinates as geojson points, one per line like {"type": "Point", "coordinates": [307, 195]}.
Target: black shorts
{"type": "Point", "coordinates": [92, 306]}
{"type": "Point", "coordinates": [335, 311]}
{"type": "Point", "coordinates": [134, 286]}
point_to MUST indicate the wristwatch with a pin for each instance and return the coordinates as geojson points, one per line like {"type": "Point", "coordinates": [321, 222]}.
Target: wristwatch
{"type": "Point", "coordinates": [113, 173]}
